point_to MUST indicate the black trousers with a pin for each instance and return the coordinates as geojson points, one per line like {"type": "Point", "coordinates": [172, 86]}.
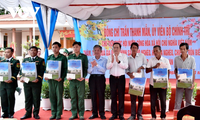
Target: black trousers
{"type": "Point", "coordinates": [97, 85]}
{"type": "Point", "coordinates": [162, 96]}
{"type": "Point", "coordinates": [117, 85]}
{"type": "Point", "coordinates": [8, 100]}
{"type": "Point", "coordinates": [32, 98]}
{"type": "Point", "coordinates": [133, 105]}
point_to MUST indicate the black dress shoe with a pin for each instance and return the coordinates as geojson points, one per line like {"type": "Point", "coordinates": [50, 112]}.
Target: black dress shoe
{"type": "Point", "coordinates": [93, 116]}
{"type": "Point", "coordinates": [4, 116]}
{"type": "Point", "coordinates": [103, 117]}
{"type": "Point", "coordinates": [25, 117]}
{"type": "Point", "coordinates": [36, 116]}
{"type": "Point", "coordinates": [121, 118]}
{"type": "Point", "coordinates": [10, 116]}
{"type": "Point", "coordinates": [113, 117]}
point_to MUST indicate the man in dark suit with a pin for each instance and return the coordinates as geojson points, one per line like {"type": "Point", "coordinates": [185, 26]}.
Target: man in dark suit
{"type": "Point", "coordinates": [8, 87]}
{"type": "Point", "coordinates": [32, 89]}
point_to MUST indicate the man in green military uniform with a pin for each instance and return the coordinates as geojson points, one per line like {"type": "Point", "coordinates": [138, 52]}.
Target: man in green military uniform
{"type": "Point", "coordinates": [32, 89]}
{"type": "Point", "coordinates": [8, 86]}
{"type": "Point", "coordinates": [56, 85]}
{"type": "Point", "coordinates": [77, 86]}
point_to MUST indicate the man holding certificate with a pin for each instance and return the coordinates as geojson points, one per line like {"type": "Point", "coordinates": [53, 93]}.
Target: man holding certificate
{"type": "Point", "coordinates": [136, 64]}
{"type": "Point", "coordinates": [8, 86]}
{"type": "Point", "coordinates": [97, 69]}
{"type": "Point", "coordinates": [77, 62]}
{"type": "Point", "coordinates": [32, 87]}
{"type": "Point", "coordinates": [117, 64]}
{"type": "Point", "coordinates": [57, 67]}
{"type": "Point", "coordinates": [184, 64]}
{"type": "Point", "coordinates": [157, 62]}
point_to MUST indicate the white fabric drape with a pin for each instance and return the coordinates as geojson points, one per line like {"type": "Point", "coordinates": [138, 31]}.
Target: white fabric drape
{"type": "Point", "coordinates": [84, 12]}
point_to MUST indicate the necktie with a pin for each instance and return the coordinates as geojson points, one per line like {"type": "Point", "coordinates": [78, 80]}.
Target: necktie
{"type": "Point", "coordinates": [7, 61]}
{"type": "Point", "coordinates": [33, 59]}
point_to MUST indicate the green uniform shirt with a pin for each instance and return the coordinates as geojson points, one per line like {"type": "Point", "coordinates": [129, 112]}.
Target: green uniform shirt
{"type": "Point", "coordinates": [40, 65]}
{"type": "Point", "coordinates": [84, 60]}
{"type": "Point", "coordinates": [63, 60]}
{"type": "Point", "coordinates": [15, 68]}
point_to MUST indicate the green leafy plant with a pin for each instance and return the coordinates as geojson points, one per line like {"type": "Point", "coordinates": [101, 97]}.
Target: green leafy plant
{"type": "Point", "coordinates": [66, 93]}
{"type": "Point", "coordinates": [194, 93]}
{"type": "Point", "coordinates": [107, 92]}
{"type": "Point", "coordinates": [45, 90]}
{"type": "Point", "coordinates": [28, 44]}
{"type": "Point", "coordinates": [87, 91]}
{"type": "Point", "coordinates": [169, 92]}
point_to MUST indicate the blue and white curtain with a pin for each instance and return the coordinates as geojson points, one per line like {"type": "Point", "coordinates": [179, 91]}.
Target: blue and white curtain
{"type": "Point", "coordinates": [46, 19]}
{"type": "Point", "coordinates": [77, 33]}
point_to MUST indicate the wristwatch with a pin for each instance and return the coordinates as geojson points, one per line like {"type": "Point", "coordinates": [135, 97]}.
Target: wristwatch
{"type": "Point", "coordinates": [119, 62]}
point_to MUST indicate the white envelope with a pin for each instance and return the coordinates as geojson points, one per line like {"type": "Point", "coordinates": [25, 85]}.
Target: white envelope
{"type": "Point", "coordinates": [26, 80]}
{"type": "Point", "coordinates": [182, 76]}
{"type": "Point", "coordinates": [47, 75]}
{"type": "Point", "coordinates": [72, 76]}
{"type": "Point", "coordinates": [137, 75]}
{"type": "Point", "coordinates": [1, 78]}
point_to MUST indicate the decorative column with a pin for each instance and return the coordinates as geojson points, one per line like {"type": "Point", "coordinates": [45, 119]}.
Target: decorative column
{"type": "Point", "coordinates": [65, 41]}
{"type": "Point", "coordinates": [14, 39]}
{"type": "Point", "coordinates": [30, 35]}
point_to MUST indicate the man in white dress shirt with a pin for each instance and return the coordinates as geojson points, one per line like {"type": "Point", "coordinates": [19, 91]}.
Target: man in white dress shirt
{"type": "Point", "coordinates": [157, 62]}
{"type": "Point", "coordinates": [136, 64]}
{"type": "Point", "coordinates": [117, 63]}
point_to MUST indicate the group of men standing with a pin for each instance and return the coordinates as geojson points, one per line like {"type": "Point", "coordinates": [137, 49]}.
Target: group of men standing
{"type": "Point", "coordinates": [117, 63]}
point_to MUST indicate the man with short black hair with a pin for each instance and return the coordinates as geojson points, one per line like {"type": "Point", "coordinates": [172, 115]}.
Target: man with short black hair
{"type": "Point", "coordinates": [157, 62]}
{"type": "Point", "coordinates": [184, 61]}
{"type": "Point", "coordinates": [117, 64]}
{"type": "Point", "coordinates": [136, 64]}
{"type": "Point", "coordinates": [56, 85]}
{"type": "Point", "coordinates": [8, 87]}
{"type": "Point", "coordinates": [32, 90]}
{"type": "Point", "coordinates": [97, 69]}
{"type": "Point", "coordinates": [77, 86]}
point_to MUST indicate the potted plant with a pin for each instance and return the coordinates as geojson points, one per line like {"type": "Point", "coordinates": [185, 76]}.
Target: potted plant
{"type": "Point", "coordinates": [194, 94]}
{"type": "Point", "coordinates": [66, 96]}
{"type": "Point", "coordinates": [27, 45]}
{"type": "Point", "coordinates": [168, 96]}
{"type": "Point", "coordinates": [45, 96]}
{"type": "Point", "coordinates": [88, 101]}
{"type": "Point", "coordinates": [107, 98]}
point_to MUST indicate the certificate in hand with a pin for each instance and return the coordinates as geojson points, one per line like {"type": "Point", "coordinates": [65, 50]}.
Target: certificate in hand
{"type": "Point", "coordinates": [160, 78]}
{"type": "Point", "coordinates": [5, 71]}
{"type": "Point", "coordinates": [185, 82]}
{"type": "Point", "coordinates": [29, 71]}
{"type": "Point", "coordinates": [75, 67]}
{"type": "Point", "coordinates": [54, 68]}
{"type": "Point", "coordinates": [137, 86]}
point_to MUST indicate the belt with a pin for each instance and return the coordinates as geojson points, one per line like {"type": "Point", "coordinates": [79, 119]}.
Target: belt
{"type": "Point", "coordinates": [97, 75]}
{"type": "Point", "coordinates": [117, 76]}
